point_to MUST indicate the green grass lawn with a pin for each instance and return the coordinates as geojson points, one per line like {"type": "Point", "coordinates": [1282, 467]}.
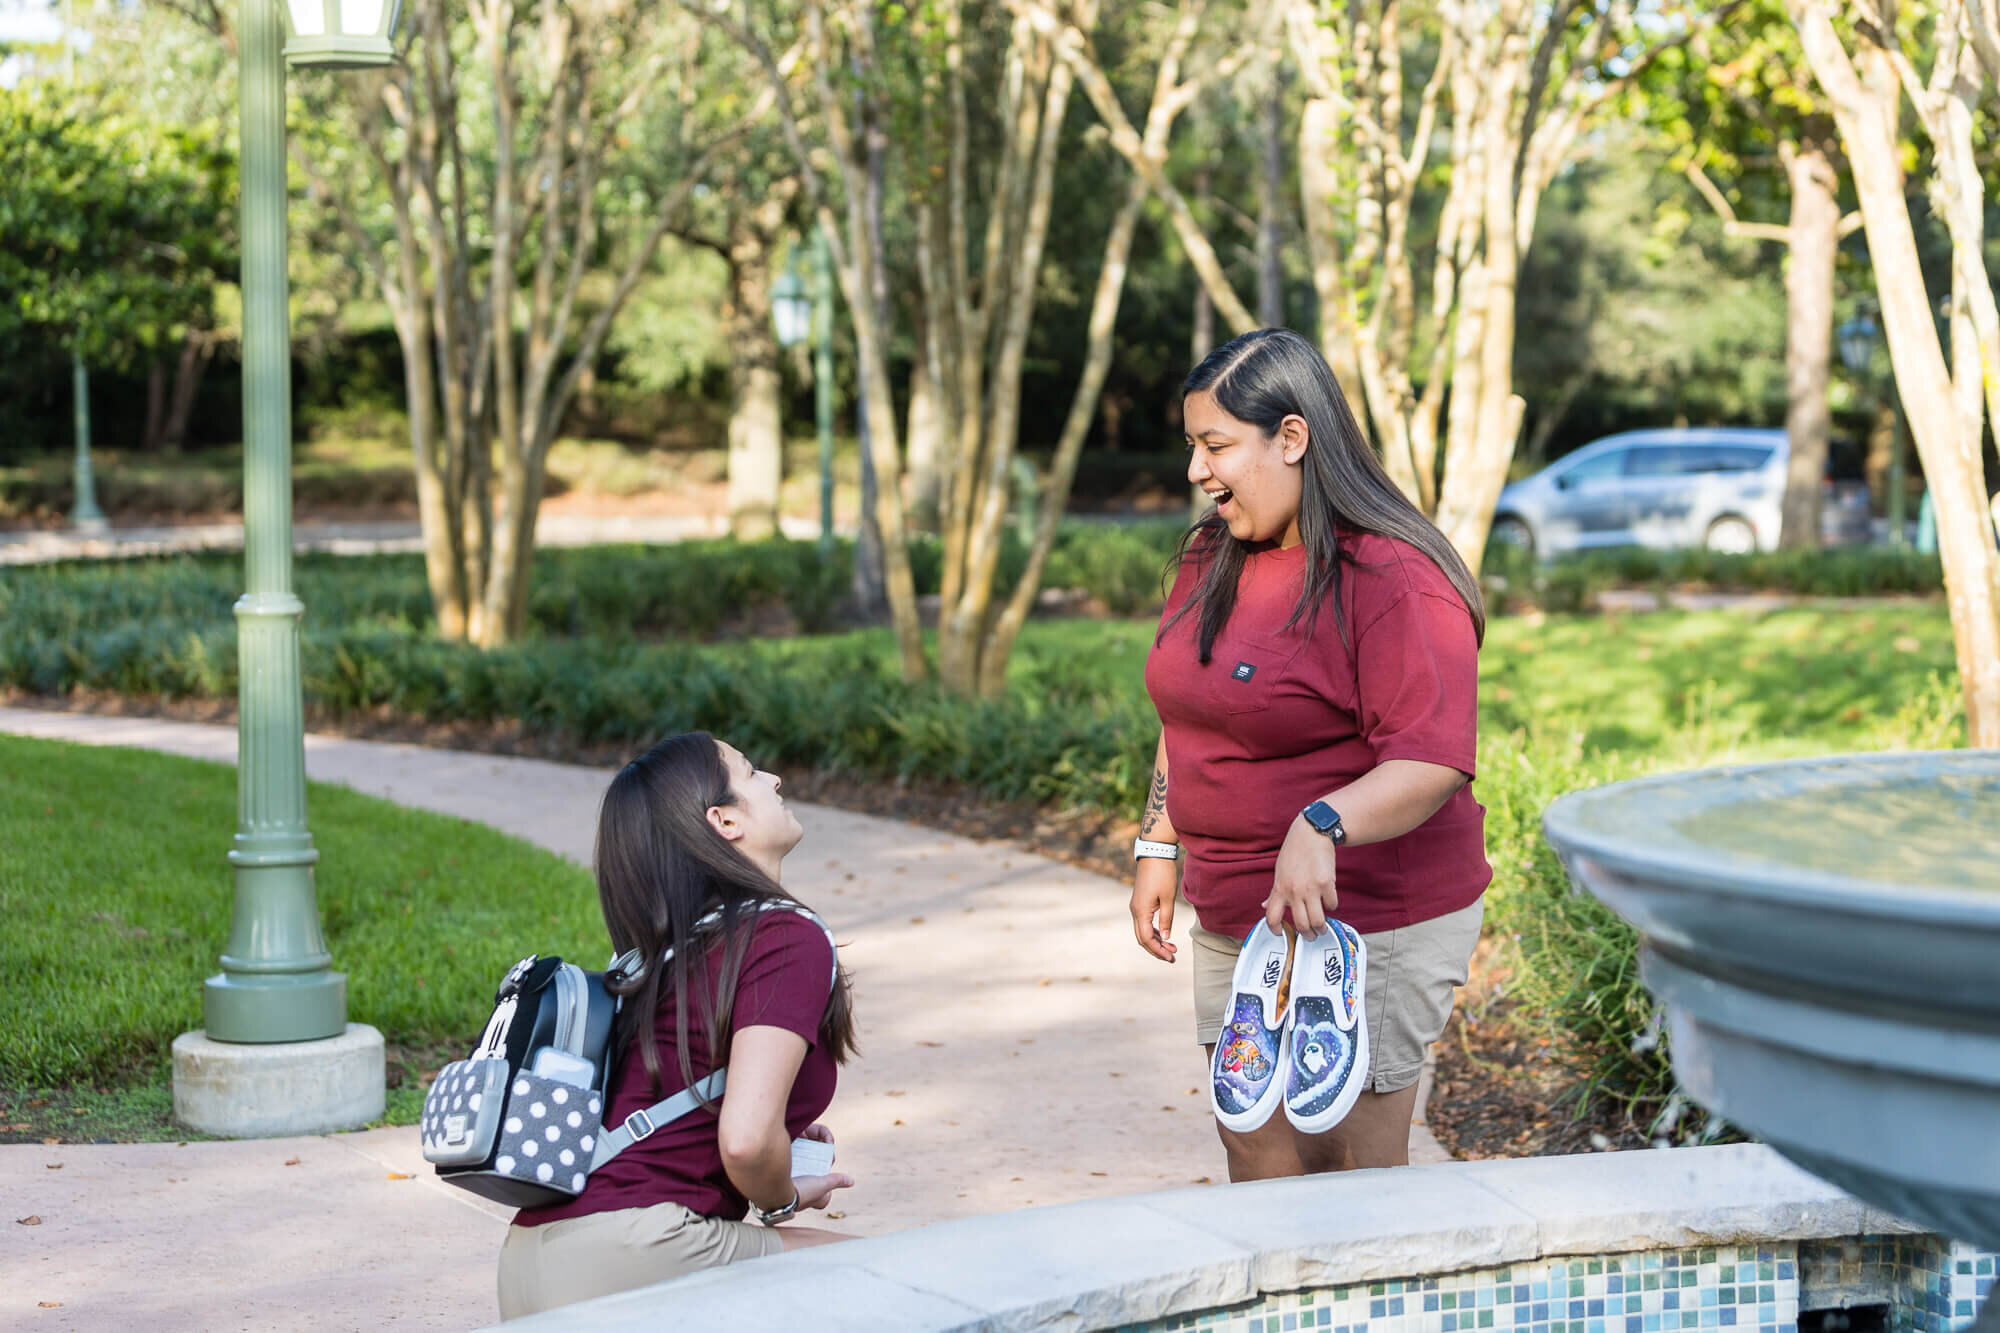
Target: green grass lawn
{"type": "Point", "coordinates": [117, 898]}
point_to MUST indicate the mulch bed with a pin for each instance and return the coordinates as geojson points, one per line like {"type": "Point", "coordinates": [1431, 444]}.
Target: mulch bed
{"type": "Point", "coordinates": [1500, 1090]}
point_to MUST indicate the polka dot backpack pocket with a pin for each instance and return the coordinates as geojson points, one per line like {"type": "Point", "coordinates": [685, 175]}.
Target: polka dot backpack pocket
{"type": "Point", "coordinates": [521, 1120]}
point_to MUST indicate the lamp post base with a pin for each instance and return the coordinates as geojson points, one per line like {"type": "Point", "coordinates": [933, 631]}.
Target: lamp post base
{"type": "Point", "coordinates": [277, 1089]}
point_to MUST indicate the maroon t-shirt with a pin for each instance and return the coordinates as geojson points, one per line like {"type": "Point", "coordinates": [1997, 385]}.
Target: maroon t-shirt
{"type": "Point", "coordinates": [1278, 719]}
{"type": "Point", "coordinates": [787, 976]}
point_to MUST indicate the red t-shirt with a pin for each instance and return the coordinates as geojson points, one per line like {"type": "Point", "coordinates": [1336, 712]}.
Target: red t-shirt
{"type": "Point", "coordinates": [1277, 720]}
{"type": "Point", "coordinates": [787, 975]}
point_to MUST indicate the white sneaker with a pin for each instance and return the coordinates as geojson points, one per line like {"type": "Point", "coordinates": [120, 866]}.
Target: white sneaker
{"type": "Point", "coordinates": [1246, 1079]}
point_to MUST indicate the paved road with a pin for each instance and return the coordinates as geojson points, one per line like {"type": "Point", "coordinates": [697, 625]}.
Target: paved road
{"type": "Point", "coordinates": [1016, 1049]}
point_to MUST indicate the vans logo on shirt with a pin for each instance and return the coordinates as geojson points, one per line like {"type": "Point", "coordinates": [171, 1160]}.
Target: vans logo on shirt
{"type": "Point", "coordinates": [1244, 671]}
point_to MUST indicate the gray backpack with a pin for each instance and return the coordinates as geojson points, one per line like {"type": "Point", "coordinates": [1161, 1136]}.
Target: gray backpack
{"type": "Point", "coordinates": [521, 1119]}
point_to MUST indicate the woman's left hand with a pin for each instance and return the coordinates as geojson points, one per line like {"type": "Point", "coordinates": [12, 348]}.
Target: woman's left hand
{"type": "Point", "coordinates": [818, 1133]}
{"type": "Point", "coordinates": [1302, 886]}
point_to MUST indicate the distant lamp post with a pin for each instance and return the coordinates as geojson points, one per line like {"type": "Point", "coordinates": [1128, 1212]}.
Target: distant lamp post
{"type": "Point", "coordinates": [341, 34]}
{"type": "Point", "coordinates": [797, 314]}
{"type": "Point", "coordinates": [276, 1054]}
{"type": "Point", "coordinates": [1857, 338]}
{"type": "Point", "coordinates": [84, 515]}
{"type": "Point", "coordinates": [1857, 343]}
{"type": "Point", "coordinates": [791, 309]}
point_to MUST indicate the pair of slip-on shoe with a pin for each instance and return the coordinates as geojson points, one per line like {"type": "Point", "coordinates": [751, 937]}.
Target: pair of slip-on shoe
{"type": "Point", "coordinates": [1300, 1039]}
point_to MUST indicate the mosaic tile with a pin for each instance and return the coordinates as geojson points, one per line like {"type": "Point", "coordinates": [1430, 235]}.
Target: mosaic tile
{"type": "Point", "coordinates": [1932, 1286]}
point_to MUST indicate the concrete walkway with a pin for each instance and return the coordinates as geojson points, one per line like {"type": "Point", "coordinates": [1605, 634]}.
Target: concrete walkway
{"type": "Point", "coordinates": [1016, 1048]}
{"type": "Point", "coordinates": [370, 537]}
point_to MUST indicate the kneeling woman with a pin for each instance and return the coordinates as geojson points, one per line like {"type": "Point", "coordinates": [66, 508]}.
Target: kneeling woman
{"type": "Point", "coordinates": [691, 842]}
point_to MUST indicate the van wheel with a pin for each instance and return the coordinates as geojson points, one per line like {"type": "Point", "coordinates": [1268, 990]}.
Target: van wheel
{"type": "Point", "coordinates": [1511, 531]}
{"type": "Point", "coordinates": [1732, 535]}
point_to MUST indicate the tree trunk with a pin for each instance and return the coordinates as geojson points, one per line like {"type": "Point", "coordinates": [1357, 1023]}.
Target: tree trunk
{"type": "Point", "coordinates": [756, 440]}
{"type": "Point", "coordinates": [1319, 127]}
{"type": "Point", "coordinates": [1865, 102]}
{"type": "Point", "coordinates": [156, 404]}
{"type": "Point", "coordinates": [1271, 208]}
{"type": "Point", "coordinates": [196, 349]}
{"type": "Point", "coordinates": [1813, 241]}
{"type": "Point", "coordinates": [922, 440]}
{"type": "Point", "coordinates": [1062, 471]}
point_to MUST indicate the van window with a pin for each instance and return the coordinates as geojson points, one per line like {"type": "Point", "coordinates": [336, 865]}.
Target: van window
{"type": "Point", "coordinates": [1728, 457]}
{"type": "Point", "coordinates": [1607, 464]}
{"type": "Point", "coordinates": [1658, 460]}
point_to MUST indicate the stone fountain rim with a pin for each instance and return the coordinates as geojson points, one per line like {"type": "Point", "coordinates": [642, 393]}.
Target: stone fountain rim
{"type": "Point", "coordinates": [1687, 865]}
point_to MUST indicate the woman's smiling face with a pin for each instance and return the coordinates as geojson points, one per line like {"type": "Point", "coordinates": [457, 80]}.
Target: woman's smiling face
{"type": "Point", "coordinates": [1255, 479]}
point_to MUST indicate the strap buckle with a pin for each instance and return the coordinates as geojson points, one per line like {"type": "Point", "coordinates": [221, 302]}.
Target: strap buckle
{"type": "Point", "coordinates": [639, 1125]}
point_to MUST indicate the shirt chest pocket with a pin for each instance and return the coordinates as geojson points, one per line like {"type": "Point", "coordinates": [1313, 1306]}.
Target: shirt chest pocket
{"type": "Point", "coordinates": [1248, 670]}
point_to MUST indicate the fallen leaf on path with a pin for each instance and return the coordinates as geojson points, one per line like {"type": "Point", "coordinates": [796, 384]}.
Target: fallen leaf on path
{"type": "Point", "coordinates": [51, 1140]}
{"type": "Point", "coordinates": [916, 921]}
{"type": "Point", "coordinates": [52, 1166]}
{"type": "Point", "coordinates": [33, 1221]}
{"type": "Point", "coordinates": [291, 1161]}
{"type": "Point", "coordinates": [49, 1305]}
{"type": "Point", "coordinates": [930, 1043]}
{"type": "Point", "coordinates": [894, 1092]}
{"type": "Point", "coordinates": [897, 1122]}
{"type": "Point", "coordinates": [399, 1175]}
{"type": "Point", "coordinates": [1100, 1173]}
{"type": "Point", "coordinates": [1043, 982]}
{"type": "Point", "coordinates": [1203, 1180]}
{"type": "Point", "coordinates": [1170, 1108]}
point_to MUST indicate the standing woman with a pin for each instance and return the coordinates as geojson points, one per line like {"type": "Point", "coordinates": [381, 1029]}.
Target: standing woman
{"type": "Point", "coordinates": [1315, 673]}
{"type": "Point", "coordinates": [691, 843]}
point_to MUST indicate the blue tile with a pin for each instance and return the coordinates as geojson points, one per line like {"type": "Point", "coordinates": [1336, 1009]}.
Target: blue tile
{"type": "Point", "coordinates": [1521, 1319]}
{"type": "Point", "coordinates": [1541, 1314]}
{"type": "Point", "coordinates": [1728, 1316]}
{"type": "Point", "coordinates": [1594, 1308]}
{"type": "Point", "coordinates": [1785, 1270]}
{"type": "Point", "coordinates": [1671, 1301]}
{"type": "Point", "coordinates": [1430, 1301]}
{"type": "Point", "coordinates": [1652, 1323]}
{"type": "Point", "coordinates": [1377, 1308]}
{"type": "Point", "coordinates": [1634, 1324]}
{"type": "Point", "coordinates": [1614, 1284]}
{"type": "Point", "coordinates": [1395, 1305]}
{"type": "Point", "coordinates": [1451, 1323]}
{"type": "Point", "coordinates": [1291, 1324]}
{"type": "Point", "coordinates": [1576, 1309]}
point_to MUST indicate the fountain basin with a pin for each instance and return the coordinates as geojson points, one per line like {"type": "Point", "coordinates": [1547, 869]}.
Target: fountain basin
{"type": "Point", "coordinates": [1825, 935]}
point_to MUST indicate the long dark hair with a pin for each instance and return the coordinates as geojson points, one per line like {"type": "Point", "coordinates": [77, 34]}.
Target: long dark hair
{"type": "Point", "coordinates": [661, 867]}
{"type": "Point", "coordinates": [1261, 378]}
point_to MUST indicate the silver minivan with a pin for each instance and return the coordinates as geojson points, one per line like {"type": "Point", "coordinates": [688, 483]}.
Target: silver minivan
{"type": "Point", "coordinates": [1722, 487]}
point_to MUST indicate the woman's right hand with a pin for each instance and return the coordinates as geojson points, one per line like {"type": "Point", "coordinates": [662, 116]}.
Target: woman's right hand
{"type": "Point", "coordinates": [1153, 883]}
{"type": "Point", "coordinates": [817, 1191]}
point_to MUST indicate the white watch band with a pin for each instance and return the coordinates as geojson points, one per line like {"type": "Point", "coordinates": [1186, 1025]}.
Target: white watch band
{"type": "Point", "coordinates": [1145, 847]}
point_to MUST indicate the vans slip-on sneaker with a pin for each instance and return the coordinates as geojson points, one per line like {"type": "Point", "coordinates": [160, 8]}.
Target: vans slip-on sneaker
{"type": "Point", "coordinates": [1327, 1048]}
{"type": "Point", "coordinates": [1246, 1076]}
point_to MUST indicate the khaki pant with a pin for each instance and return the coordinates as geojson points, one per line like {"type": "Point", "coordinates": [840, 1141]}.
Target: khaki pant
{"type": "Point", "coordinates": [577, 1258]}
{"type": "Point", "coordinates": [1412, 972]}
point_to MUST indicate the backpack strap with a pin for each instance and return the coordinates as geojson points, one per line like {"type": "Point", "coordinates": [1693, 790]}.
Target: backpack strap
{"type": "Point", "coordinates": [645, 1121]}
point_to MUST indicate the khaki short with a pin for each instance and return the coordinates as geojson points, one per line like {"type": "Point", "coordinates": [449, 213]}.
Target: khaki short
{"type": "Point", "coordinates": [577, 1258]}
{"type": "Point", "coordinates": [1412, 972]}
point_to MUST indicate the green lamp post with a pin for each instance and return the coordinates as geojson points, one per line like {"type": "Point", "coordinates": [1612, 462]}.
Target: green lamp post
{"type": "Point", "coordinates": [276, 1054]}
{"type": "Point", "coordinates": [276, 983]}
{"type": "Point", "coordinates": [797, 314]}
{"type": "Point", "coordinates": [84, 515]}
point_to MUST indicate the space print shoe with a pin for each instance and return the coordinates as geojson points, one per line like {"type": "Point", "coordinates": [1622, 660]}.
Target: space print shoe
{"type": "Point", "coordinates": [1326, 1030]}
{"type": "Point", "coordinates": [1246, 1074]}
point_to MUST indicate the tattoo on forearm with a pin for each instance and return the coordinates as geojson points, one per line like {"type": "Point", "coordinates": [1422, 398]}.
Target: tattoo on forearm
{"type": "Point", "coordinates": [1156, 805]}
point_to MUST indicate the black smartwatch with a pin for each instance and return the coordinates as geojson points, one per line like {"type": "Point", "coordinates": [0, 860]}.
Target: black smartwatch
{"type": "Point", "coordinates": [1327, 820]}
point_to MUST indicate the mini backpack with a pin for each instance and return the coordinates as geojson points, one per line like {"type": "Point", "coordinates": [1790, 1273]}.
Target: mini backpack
{"type": "Point", "coordinates": [521, 1119]}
